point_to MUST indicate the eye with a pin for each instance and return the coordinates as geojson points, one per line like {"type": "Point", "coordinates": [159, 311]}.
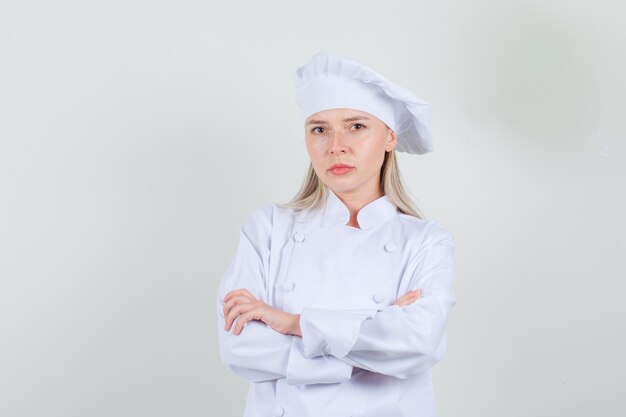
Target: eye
{"type": "Point", "coordinates": [314, 130]}
{"type": "Point", "coordinates": [358, 125]}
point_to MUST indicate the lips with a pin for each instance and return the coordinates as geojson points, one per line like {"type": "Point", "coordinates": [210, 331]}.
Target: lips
{"type": "Point", "coordinates": [340, 166]}
{"type": "Point", "coordinates": [340, 169]}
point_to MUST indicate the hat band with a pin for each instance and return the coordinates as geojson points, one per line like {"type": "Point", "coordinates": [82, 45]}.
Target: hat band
{"type": "Point", "coordinates": [337, 93]}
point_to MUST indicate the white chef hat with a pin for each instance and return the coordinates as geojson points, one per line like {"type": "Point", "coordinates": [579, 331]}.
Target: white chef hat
{"type": "Point", "coordinates": [329, 82]}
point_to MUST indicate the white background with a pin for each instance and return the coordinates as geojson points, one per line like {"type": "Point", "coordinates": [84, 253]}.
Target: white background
{"type": "Point", "coordinates": [135, 136]}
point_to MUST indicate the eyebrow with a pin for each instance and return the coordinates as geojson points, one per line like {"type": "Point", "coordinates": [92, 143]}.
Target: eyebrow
{"type": "Point", "coordinates": [348, 119]}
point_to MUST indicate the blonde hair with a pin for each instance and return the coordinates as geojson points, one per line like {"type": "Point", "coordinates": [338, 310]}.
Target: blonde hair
{"type": "Point", "coordinates": [312, 193]}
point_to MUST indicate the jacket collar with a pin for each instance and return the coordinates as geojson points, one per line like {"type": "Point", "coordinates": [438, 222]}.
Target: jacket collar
{"type": "Point", "coordinates": [373, 214]}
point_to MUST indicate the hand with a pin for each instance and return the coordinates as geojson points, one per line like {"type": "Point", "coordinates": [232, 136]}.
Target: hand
{"type": "Point", "coordinates": [241, 303]}
{"type": "Point", "coordinates": [408, 298]}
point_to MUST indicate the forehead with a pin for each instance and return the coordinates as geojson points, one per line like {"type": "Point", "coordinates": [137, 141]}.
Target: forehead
{"type": "Point", "coordinates": [339, 115]}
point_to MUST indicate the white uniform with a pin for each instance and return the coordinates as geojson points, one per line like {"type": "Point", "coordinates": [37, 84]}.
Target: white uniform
{"type": "Point", "coordinates": [359, 355]}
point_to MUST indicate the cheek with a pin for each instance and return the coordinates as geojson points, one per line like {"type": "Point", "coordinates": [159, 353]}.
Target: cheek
{"type": "Point", "coordinates": [315, 147]}
{"type": "Point", "coordinates": [374, 157]}
{"type": "Point", "coordinates": [315, 154]}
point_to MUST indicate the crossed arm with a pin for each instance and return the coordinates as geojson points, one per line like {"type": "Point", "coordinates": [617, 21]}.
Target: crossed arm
{"type": "Point", "coordinates": [242, 305]}
{"type": "Point", "coordinates": [323, 346]}
{"type": "Point", "coordinates": [279, 350]}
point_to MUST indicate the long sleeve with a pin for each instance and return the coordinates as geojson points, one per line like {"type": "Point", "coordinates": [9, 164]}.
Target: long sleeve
{"type": "Point", "coordinates": [393, 340]}
{"type": "Point", "coordinates": [259, 353]}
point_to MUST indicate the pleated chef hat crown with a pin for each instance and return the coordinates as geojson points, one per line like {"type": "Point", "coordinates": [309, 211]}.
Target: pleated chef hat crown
{"type": "Point", "coordinates": [330, 82]}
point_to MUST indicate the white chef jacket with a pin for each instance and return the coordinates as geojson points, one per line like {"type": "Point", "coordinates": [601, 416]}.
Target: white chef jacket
{"type": "Point", "coordinates": [359, 355]}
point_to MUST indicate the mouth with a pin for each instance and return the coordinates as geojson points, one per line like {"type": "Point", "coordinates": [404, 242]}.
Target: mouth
{"type": "Point", "coordinates": [340, 169]}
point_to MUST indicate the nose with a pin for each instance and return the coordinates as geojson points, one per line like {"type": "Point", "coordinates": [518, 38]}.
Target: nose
{"type": "Point", "coordinates": [337, 142]}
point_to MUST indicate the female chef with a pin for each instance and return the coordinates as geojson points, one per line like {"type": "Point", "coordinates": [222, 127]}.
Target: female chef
{"type": "Point", "coordinates": [336, 304]}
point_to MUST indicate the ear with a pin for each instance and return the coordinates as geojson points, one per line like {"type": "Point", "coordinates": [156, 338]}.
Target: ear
{"type": "Point", "coordinates": [392, 141]}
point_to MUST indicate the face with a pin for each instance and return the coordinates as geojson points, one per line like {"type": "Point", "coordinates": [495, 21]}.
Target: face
{"type": "Point", "coordinates": [350, 137]}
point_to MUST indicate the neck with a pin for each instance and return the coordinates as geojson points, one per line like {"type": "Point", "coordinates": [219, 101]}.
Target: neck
{"type": "Point", "coordinates": [355, 200]}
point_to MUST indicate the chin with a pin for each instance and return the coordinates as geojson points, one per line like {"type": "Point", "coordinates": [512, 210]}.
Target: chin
{"type": "Point", "coordinates": [340, 185]}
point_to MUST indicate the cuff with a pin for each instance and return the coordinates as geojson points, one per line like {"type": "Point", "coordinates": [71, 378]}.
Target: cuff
{"type": "Point", "coordinates": [317, 370]}
{"type": "Point", "coordinates": [331, 332]}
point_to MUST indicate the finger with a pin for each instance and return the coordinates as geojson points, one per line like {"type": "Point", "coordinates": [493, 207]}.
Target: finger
{"type": "Point", "coordinates": [228, 317]}
{"type": "Point", "coordinates": [247, 293]}
{"type": "Point", "coordinates": [233, 301]}
{"type": "Point", "coordinates": [400, 300]}
{"type": "Point", "coordinates": [408, 298]}
{"type": "Point", "coordinates": [239, 291]}
{"type": "Point", "coordinates": [404, 302]}
{"type": "Point", "coordinates": [244, 318]}
{"type": "Point", "coordinates": [232, 315]}
{"type": "Point", "coordinates": [413, 295]}
{"type": "Point", "coordinates": [234, 312]}
{"type": "Point", "coordinates": [232, 293]}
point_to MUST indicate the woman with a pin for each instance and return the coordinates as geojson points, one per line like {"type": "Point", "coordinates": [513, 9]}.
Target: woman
{"type": "Point", "coordinates": [336, 303]}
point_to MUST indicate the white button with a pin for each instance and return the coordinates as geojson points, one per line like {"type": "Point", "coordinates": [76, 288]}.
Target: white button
{"type": "Point", "coordinates": [379, 297]}
{"type": "Point", "coordinates": [298, 236]}
{"type": "Point", "coordinates": [390, 247]}
{"type": "Point", "coordinates": [279, 411]}
{"type": "Point", "coordinates": [288, 286]}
